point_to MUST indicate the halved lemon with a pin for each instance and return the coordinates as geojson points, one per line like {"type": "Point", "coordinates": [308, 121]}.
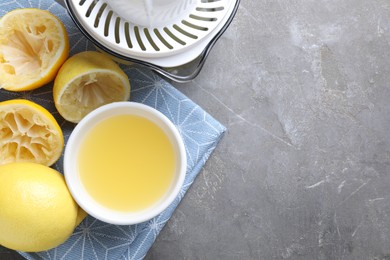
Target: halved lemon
{"type": "Point", "coordinates": [87, 81]}
{"type": "Point", "coordinates": [33, 45]}
{"type": "Point", "coordinates": [28, 133]}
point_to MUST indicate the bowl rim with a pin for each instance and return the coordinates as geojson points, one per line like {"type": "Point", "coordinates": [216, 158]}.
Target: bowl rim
{"type": "Point", "coordinates": [79, 193]}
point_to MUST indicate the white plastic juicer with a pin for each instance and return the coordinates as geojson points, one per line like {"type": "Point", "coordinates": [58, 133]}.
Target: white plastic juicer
{"type": "Point", "coordinates": [172, 37]}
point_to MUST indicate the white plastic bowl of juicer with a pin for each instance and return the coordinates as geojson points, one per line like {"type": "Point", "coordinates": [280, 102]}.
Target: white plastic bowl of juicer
{"type": "Point", "coordinates": [182, 38]}
{"type": "Point", "coordinates": [151, 13]}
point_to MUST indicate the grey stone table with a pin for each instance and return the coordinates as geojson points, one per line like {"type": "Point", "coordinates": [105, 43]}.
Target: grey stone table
{"type": "Point", "coordinates": [303, 171]}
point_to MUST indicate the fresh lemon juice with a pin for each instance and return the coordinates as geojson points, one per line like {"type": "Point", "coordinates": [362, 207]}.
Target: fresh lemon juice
{"type": "Point", "coordinates": [126, 163]}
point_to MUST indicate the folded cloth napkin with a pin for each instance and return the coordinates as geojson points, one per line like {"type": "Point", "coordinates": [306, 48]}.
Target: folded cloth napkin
{"type": "Point", "coordinates": [93, 239]}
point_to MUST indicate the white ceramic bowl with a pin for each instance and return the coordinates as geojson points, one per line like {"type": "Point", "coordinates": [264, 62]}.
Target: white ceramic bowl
{"type": "Point", "coordinates": [78, 191]}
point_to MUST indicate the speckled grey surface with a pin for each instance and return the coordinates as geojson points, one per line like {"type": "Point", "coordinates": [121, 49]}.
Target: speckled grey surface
{"type": "Point", "coordinates": [303, 171]}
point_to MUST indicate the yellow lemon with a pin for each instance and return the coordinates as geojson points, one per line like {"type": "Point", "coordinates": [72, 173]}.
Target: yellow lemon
{"type": "Point", "coordinates": [37, 210]}
{"type": "Point", "coordinates": [33, 45]}
{"type": "Point", "coordinates": [28, 133]}
{"type": "Point", "coordinates": [86, 81]}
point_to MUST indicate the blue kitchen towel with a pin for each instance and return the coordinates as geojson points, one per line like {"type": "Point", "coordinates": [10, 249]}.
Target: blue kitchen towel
{"type": "Point", "coordinates": [93, 239]}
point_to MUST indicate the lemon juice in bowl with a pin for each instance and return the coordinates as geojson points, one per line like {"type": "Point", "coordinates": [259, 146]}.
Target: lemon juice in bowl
{"type": "Point", "coordinates": [130, 160]}
{"type": "Point", "coordinates": [125, 163]}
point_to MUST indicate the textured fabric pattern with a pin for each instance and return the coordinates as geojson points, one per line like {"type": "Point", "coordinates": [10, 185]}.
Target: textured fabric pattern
{"type": "Point", "coordinates": [94, 239]}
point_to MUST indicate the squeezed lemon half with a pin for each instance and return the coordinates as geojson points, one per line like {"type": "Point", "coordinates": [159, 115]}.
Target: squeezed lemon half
{"type": "Point", "coordinates": [33, 45]}
{"type": "Point", "coordinates": [87, 81]}
{"type": "Point", "coordinates": [28, 133]}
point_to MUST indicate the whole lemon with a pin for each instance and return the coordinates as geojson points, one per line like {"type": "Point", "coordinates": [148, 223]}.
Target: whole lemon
{"type": "Point", "coordinates": [37, 211]}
